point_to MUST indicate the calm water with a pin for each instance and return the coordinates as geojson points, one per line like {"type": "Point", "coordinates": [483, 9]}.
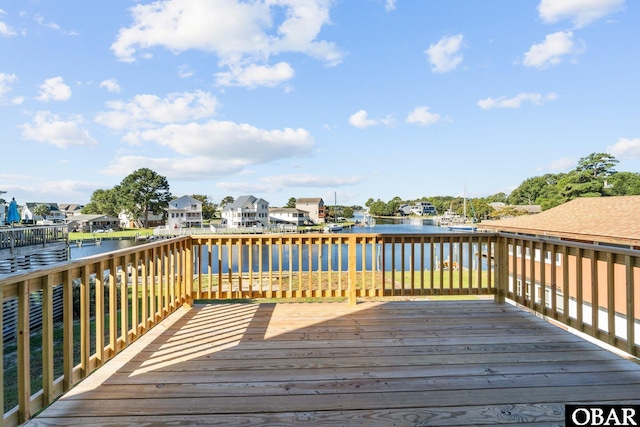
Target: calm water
{"type": "Point", "coordinates": [88, 249]}
{"type": "Point", "coordinates": [329, 255]}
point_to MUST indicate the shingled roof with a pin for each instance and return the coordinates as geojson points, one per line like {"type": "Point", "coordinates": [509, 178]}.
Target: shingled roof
{"type": "Point", "coordinates": [593, 219]}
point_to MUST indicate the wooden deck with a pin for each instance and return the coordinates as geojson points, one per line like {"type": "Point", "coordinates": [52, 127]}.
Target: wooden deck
{"type": "Point", "coordinates": [378, 364]}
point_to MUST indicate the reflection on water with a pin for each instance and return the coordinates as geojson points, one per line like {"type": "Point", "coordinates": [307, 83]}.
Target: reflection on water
{"type": "Point", "coordinates": [398, 226]}
{"type": "Point", "coordinates": [324, 256]}
{"type": "Point", "coordinates": [91, 248]}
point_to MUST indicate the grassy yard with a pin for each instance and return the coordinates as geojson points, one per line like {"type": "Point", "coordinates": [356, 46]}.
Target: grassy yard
{"type": "Point", "coordinates": [128, 233]}
{"type": "Point", "coordinates": [306, 281]}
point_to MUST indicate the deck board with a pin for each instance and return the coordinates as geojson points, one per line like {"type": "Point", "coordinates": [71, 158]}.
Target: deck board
{"type": "Point", "coordinates": [379, 363]}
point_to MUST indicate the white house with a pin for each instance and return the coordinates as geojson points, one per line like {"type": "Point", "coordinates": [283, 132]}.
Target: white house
{"type": "Point", "coordinates": [128, 221]}
{"type": "Point", "coordinates": [315, 207]}
{"type": "Point", "coordinates": [55, 214]}
{"type": "Point", "coordinates": [423, 208]}
{"type": "Point", "coordinates": [404, 209]}
{"type": "Point", "coordinates": [246, 211]}
{"type": "Point", "coordinates": [184, 212]}
{"type": "Point", "coordinates": [289, 215]}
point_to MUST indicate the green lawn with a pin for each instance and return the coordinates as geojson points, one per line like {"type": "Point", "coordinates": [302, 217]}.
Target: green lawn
{"type": "Point", "coordinates": [126, 233]}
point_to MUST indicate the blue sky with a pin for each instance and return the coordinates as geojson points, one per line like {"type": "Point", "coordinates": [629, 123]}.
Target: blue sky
{"type": "Point", "coordinates": [313, 98]}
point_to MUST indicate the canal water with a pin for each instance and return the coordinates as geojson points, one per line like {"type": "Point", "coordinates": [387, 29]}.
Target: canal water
{"type": "Point", "coordinates": [330, 253]}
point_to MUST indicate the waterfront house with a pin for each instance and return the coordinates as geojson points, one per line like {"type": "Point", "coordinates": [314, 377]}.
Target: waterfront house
{"type": "Point", "coordinates": [289, 216]}
{"type": "Point", "coordinates": [246, 211]}
{"type": "Point", "coordinates": [54, 215]}
{"type": "Point", "coordinates": [423, 208]}
{"type": "Point", "coordinates": [128, 221]}
{"type": "Point", "coordinates": [70, 209]}
{"type": "Point", "coordinates": [184, 212]}
{"type": "Point", "coordinates": [315, 207]}
{"type": "Point", "coordinates": [87, 223]}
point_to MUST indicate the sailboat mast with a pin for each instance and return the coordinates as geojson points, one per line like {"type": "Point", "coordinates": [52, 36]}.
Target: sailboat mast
{"type": "Point", "coordinates": [464, 202]}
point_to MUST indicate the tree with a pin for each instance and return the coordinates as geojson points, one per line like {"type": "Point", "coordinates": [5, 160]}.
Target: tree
{"type": "Point", "coordinates": [623, 184]}
{"type": "Point", "coordinates": [347, 212]}
{"type": "Point", "coordinates": [144, 191]}
{"type": "Point", "coordinates": [380, 208]}
{"type": "Point", "coordinates": [208, 207]}
{"type": "Point", "coordinates": [369, 202]}
{"type": "Point", "coordinates": [103, 202]}
{"type": "Point", "coordinates": [498, 197]}
{"type": "Point", "coordinates": [291, 203]}
{"type": "Point", "coordinates": [41, 210]}
{"type": "Point", "coordinates": [580, 183]}
{"type": "Point", "coordinates": [538, 190]}
{"type": "Point", "coordinates": [226, 201]}
{"type": "Point", "coordinates": [599, 165]}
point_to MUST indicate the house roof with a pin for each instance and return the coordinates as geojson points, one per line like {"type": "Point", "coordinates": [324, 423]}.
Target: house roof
{"type": "Point", "coordinates": [183, 202]}
{"type": "Point", "coordinates": [287, 210]}
{"type": "Point", "coordinates": [69, 207]}
{"type": "Point", "coordinates": [53, 207]}
{"type": "Point", "coordinates": [595, 219]}
{"type": "Point", "coordinates": [310, 200]}
{"type": "Point", "coordinates": [243, 202]}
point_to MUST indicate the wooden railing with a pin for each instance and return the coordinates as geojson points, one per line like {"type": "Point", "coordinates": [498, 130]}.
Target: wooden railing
{"type": "Point", "coordinates": [108, 302]}
{"type": "Point", "coordinates": [14, 237]}
{"type": "Point", "coordinates": [589, 288]}
{"type": "Point", "coordinates": [112, 299]}
{"type": "Point", "coordinates": [342, 265]}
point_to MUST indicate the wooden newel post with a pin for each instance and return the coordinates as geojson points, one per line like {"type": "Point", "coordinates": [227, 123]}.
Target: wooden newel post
{"type": "Point", "coordinates": [501, 277]}
{"type": "Point", "coordinates": [352, 271]}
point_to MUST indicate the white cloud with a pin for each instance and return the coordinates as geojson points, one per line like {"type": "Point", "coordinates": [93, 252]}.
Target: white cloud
{"type": "Point", "coordinates": [580, 12]}
{"type": "Point", "coordinates": [360, 120]}
{"type": "Point", "coordinates": [146, 110]}
{"type": "Point", "coordinates": [445, 55]}
{"type": "Point", "coordinates": [179, 168]}
{"type": "Point", "coordinates": [309, 180]}
{"type": "Point", "coordinates": [422, 116]}
{"type": "Point", "coordinates": [5, 83]}
{"type": "Point", "coordinates": [111, 85]}
{"type": "Point", "coordinates": [625, 147]}
{"type": "Point", "coordinates": [516, 101]}
{"type": "Point", "coordinates": [52, 25]}
{"type": "Point", "coordinates": [51, 129]}
{"type": "Point", "coordinates": [255, 75]}
{"type": "Point", "coordinates": [5, 30]}
{"type": "Point", "coordinates": [551, 50]}
{"type": "Point", "coordinates": [223, 141]}
{"type": "Point", "coordinates": [184, 71]}
{"type": "Point", "coordinates": [54, 89]}
{"type": "Point", "coordinates": [257, 31]}
{"type": "Point", "coordinates": [390, 5]}
{"type": "Point", "coordinates": [278, 183]}
{"type": "Point", "coordinates": [213, 149]}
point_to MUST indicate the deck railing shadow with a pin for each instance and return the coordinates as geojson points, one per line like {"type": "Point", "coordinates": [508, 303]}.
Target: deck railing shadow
{"type": "Point", "coordinates": [123, 294]}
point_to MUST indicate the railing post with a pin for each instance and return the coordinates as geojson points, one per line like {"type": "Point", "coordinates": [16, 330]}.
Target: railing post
{"type": "Point", "coordinates": [189, 270]}
{"type": "Point", "coordinates": [352, 271]}
{"type": "Point", "coordinates": [501, 262]}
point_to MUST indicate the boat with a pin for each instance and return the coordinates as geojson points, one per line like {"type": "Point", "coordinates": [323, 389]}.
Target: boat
{"type": "Point", "coordinates": [330, 228]}
{"type": "Point", "coordinates": [462, 223]}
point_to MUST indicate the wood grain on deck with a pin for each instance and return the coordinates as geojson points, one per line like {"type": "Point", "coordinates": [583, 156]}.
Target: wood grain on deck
{"type": "Point", "coordinates": [379, 363]}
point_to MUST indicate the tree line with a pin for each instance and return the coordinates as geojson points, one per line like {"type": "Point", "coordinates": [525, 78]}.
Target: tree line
{"type": "Point", "coordinates": [594, 176]}
{"type": "Point", "coordinates": [144, 191]}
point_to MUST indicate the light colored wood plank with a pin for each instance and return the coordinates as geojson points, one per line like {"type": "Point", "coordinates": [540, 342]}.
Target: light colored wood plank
{"type": "Point", "coordinates": [433, 363]}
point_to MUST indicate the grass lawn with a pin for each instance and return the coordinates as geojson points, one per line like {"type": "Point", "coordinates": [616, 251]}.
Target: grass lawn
{"type": "Point", "coordinates": [126, 233]}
